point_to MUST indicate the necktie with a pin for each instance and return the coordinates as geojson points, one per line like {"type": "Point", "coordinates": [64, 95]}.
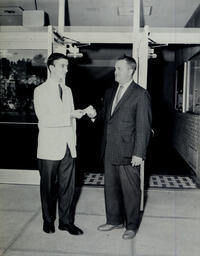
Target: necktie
{"type": "Point", "coordinates": [117, 97]}
{"type": "Point", "coordinates": [60, 91]}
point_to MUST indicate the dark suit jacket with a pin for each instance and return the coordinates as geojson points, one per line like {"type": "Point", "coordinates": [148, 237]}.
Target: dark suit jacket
{"type": "Point", "coordinates": [127, 130]}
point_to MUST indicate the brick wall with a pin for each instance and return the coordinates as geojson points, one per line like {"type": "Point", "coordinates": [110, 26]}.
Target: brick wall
{"type": "Point", "coordinates": [186, 139]}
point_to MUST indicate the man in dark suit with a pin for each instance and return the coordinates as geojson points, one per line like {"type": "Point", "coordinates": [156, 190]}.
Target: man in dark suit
{"type": "Point", "coordinates": [127, 126]}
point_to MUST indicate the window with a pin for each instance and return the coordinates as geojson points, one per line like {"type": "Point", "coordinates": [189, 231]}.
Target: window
{"type": "Point", "coordinates": [187, 96]}
{"type": "Point", "coordinates": [194, 87]}
{"type": "Point", "coordinates": [179, 88]}
{"type": "Point", "coordinates": [20, 72]}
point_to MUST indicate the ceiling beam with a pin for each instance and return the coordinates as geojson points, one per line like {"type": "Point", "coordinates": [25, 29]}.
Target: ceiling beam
{"type": "Point", "coordinates": [175, 35]}
{"type": "Point", "coordinates": [110, 35]}
{"type": "Point", "coordinates": [30, 38]}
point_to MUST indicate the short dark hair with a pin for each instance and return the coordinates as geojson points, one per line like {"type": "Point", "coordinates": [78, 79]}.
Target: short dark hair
{"type": "Point", "coordinates": [55, 56]}
{"type": "Point", "coordinates": [130, 61]}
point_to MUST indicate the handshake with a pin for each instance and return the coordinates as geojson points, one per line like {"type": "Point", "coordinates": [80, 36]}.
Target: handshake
{"type": "Point", "coordinates": [79, 113]}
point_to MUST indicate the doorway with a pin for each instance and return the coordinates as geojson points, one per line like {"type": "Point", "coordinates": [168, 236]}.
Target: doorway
{"type": "Point", "coordinates": [163, 159]}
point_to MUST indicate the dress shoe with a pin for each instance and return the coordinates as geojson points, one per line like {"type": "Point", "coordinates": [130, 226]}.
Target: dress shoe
{"type": "Point", "coordinates": [129, 234]}
{"type": "Point", "coordinates": [71, 228]}
{"type": "Point", "coordinates": [48, 227]}
{"type": "Point", "coordinates": [109, 227]}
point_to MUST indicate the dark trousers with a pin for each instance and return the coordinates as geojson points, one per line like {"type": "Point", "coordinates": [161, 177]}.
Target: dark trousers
{"type": "Point", "coordinates": [122, 194]}
{"type": "Point", "coordinates": [57, 185]}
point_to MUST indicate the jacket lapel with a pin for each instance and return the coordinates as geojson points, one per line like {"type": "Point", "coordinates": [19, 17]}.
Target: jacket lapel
{"type": "Point", "coordinates": [111, 102]}
{"type": "Point", "coordinates": [127, 93]}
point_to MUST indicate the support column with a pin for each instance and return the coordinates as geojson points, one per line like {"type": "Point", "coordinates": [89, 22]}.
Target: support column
{"type": "Point", "coordinates": [143, 58]}
{"type": "Point", "coordinates": [142, 80]}
{"type": "Point", "coordinates": [61, 15]}
{"type": "Point", "coordinates": [140, 75]}
{"type": "Point", "coordinates": [136, 35]}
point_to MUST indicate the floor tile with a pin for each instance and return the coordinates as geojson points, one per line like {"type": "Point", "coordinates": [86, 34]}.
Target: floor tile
{"type": "Point", "coordinates": [91, 201]}
{"type": "Point", "coordinates": [160, 203]}
{"type": "Point", "coordinates": [11, 224]}
{"type": "Point", "coordinates": [155, 237]}
{"type": "Point", "coordinates": [187, 237]}
{"type": "Point", "coordinates": [187, 204]}
{"type": "Point", "coordinates": [92, 242]}
{"type": "Point", "coordinates": [19, 197]}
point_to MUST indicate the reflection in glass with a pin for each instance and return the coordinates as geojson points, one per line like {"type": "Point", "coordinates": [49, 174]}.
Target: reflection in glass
{"type": "Point", "coordinates": [20, 72]}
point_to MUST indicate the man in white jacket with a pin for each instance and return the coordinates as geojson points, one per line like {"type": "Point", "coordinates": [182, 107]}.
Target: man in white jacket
{"type": "Point", "coordinates": [54, 107]}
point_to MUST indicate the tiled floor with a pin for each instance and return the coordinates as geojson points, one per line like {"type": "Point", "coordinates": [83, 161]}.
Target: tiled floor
{"type": "Point", "coordinates": [170, 225]}
{"type": "Point", "coordinates": [155, 181]}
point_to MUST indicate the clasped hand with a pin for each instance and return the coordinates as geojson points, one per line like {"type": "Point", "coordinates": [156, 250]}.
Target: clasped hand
{"type": "Point", "coordinates": [79, 113]}
{"type": "Point", "coordinates": [90, 111]}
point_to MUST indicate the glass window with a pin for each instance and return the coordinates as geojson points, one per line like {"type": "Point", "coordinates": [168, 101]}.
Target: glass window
{"type": "Point", "coordinates": [179, 88]}
{"type": "Point", "coordinates": [194, 87]}
{"type": "Point", "coordinates": [188, 86]}
{"type": "Point", "coordinates": [20, 72]}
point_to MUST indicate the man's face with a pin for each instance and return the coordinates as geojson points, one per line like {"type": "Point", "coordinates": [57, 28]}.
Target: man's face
{"type": "Point", "coordinates": [123, 73]}
{"type": "Point", "coordinates": [60, 68]}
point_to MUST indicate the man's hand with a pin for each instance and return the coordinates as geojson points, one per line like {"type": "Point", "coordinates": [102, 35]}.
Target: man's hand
{"type": "Point", "coordinates": [90, 111]}
{"type": "Point", "coordinates": [78, 113]}
{"type": "Point", "coordinates": [136, 161]}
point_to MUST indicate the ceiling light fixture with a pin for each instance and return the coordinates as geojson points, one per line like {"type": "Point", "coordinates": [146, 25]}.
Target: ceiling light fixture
{"type": "Point", "coordinates": [72, 46]}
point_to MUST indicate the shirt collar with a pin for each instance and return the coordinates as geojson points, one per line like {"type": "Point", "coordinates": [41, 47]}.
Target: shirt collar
{"type": "Point", "coordinates": [53, 83]}
{"type": "Point", "coordinates": [126, 85]}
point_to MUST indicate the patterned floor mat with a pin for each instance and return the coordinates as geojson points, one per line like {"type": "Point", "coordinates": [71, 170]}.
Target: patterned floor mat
{"type": "Point", "coordinates": [168, 181]}
{"type": "Point", "coordinates": [94, 179]}
{"type": "Point", "coordinates": [155, 181]}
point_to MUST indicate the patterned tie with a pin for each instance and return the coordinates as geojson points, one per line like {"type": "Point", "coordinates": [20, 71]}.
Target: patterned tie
{"type": "Point", "coordinates": [60, 91]}
{"type": "Point", "coordinates": [117, 97]}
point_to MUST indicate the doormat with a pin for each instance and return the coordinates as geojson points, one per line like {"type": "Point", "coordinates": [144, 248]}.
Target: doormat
{"type": "Point", "coordinates": [170, 181]}
{"type": "Point", "coordinates": [155, 181]}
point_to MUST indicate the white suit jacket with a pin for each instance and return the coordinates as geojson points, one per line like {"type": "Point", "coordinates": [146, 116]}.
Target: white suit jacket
{"type": "Point", "coordinates": [56, 128]}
